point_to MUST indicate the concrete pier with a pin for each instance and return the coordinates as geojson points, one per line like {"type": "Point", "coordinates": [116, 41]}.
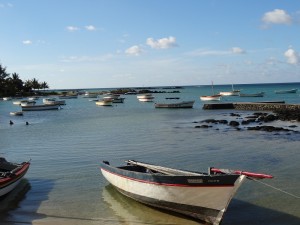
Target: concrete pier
{"type": "Point", "coordinates": [252, 106]}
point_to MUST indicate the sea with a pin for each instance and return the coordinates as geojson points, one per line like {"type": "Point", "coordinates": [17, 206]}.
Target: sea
{"type": "Point", "coordinates": [64, 185]}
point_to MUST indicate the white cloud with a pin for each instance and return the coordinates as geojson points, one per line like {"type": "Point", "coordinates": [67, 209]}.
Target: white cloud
{"type": "Point", "coordinates": [90, 27]}
{"type": "Point", "coordinates": [72, 28]}
{"type": "Point", "coordinates": [277, 16]}
{"type": "Point", "coordinates": [237, 50]}
{"type": "Point", "coordinates": [162, 43]}
{"type": "Point", "coordinates": [27, 42]}
{"type": "Point", "coordinates": [134, 50]}
{"type": "Point", "coordinates": [292, 56]}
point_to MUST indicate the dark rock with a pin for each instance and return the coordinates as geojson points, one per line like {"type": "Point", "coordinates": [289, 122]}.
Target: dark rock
{"type": "Point", "coordinates": [234, 123]}
{"type": "Point", "coordinates": [203, 126]}
{"type": "Point", "coordinates": [209, 121]}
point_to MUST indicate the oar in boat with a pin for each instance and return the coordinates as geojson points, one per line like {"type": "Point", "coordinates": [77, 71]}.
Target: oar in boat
{"type": "Point", "coordinates": [248, 174]}
{"type": "Point", "coordinates": [164, 170]}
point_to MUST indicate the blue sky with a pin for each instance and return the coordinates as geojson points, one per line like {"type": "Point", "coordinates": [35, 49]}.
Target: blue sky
{"type": "Point", "coordinates": [126, 43]}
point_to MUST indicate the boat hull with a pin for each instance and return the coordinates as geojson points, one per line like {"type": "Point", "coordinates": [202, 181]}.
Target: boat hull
{"type": "Point", "coordinates": [203, 198]}
{"type": "Point", "coordinates": [210, 98]}
{"type": "Point", "coordinates": [40, 107]}
{"type": "Point", "coordinates": [7, 184]}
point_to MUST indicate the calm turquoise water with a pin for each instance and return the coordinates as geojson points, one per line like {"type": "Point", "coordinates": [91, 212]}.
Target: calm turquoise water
{"type": "Point", "coordinates": [64, 184]}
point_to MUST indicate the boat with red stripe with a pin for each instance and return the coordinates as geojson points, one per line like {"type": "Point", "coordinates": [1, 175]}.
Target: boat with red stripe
{"type": "Point", "coordinates": [11, 174]}
{"type": "Point", "coordinates": [203, 196]}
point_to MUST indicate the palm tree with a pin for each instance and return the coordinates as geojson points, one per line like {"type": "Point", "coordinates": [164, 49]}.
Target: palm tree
{"type": "Point", "coordinates": [44, 85]}
{"type": "Point", "coordinates": [35, 84]}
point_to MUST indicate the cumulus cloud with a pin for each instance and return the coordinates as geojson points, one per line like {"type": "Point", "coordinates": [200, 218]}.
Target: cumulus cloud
{"type": "Point", "coordinates": [134, 50]}
{"type": "Point", "coordinates": [277, 16]}
{"type": "Point", "coordinates": [237, 50]}
{"type": "Point", "coordinates": [72, 28]}
{"type": "Point", "coordinates": [292, 56]}
{"type": "Point", "coordinates": [27, 42]}
{"type": "Point", "coordinates": [162, 43]}
{"type": "Point", "coordinates": [90, 27]}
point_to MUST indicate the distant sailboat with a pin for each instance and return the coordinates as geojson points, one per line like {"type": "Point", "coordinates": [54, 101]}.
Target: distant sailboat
{"type": "Point", "coordinates": [212, 97]}
{"type": "Point", "coordinates": [230, 93]}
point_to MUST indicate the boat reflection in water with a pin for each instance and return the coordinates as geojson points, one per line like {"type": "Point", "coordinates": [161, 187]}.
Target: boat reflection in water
{"type": "Point", "coordinates": [132, 212]}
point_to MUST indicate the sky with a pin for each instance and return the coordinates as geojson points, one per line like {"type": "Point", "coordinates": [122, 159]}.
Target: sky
{"type": "Point", "coordinates": [141, 43]}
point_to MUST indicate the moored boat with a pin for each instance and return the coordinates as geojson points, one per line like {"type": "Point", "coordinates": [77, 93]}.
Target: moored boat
{"type": "Point", "coordinates": [230, 93]}
{"type": "Point", "coordinates": [28, 103]}
{"type": "Point", "coordinates": [11, 174]}
{"type": "Point", "coordinates": [203, 196]}
{"type": "Point", "coordinates": [210, 97]}
{"type": "Point", "coordinates": [40, 107]}
{"type": "Point", "coordinates": [17, 113]}
{"type": "Point", "coordinates": [53, 101]}
{"type": "Point", "coordinates": [286, 91]}
{"type": "Point", "coordinates": [145, 97]}
{"type": "Point", "coordinates": [104, 102]}
{"type": "Point", "coordinates": [259, 94]}
{"type": "Point", "coordinates": [183, 104]}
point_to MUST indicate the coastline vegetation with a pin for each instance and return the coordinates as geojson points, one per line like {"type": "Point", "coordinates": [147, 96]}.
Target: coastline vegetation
{"type": "Point", "coordinates": [11, 85]}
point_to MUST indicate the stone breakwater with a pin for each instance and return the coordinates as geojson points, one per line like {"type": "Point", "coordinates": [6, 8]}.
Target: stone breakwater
{"type": "Point", "coordinates": [284, 111]}
{"type": "Point", "coordinates": [279, 111]}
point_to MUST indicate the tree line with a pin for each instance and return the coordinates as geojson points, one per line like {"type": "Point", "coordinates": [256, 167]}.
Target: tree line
{"type": "Point", "coordinates": [11, 85]}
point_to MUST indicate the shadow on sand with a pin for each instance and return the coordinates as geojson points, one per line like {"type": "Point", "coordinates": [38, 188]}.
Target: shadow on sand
{"type": "Point", "coordinates": [239, 212]}
{"type": "Point", "coordinates": [20, 206]}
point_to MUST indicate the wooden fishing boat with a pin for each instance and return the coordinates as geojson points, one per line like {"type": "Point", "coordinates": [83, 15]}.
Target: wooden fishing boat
{"type": "Point", "coordinates": [203, 196]}
{"type": "Point", "coordinates": [11, 175]}
{"type": "Point", "coordinates": [184, 104]}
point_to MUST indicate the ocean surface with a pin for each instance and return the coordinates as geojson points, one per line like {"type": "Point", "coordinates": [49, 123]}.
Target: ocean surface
{"type": "Point", "coordinates": [64, 185]}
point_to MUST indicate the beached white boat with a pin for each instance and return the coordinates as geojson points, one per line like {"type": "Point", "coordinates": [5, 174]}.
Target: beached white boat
{"type": "Point", "coordinates": [203, 196]}
{"type": "Point", "coordinates": [210, 98]}
{"type": "Point", "coordinates": [11, 174]}
{"type": "Point", "coordinates": [40, 107]}
{"type": "Point", "coordinates": [183, 104]}
{"type": "Point", "coordinates": [104, 102]}
{"type": "Point", "coordinates": [53, 101]}
{"type": "Point", "coordinates": [17, 113]}
{"type": "Point", "coordinates": [286, 91]}
{"type": "Point", "coordinates": [259, 94]}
